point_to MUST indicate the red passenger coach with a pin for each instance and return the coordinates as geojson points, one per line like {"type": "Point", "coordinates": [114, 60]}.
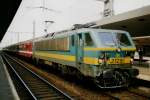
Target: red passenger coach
{"type": "Point", "coordinates": [25, 49]}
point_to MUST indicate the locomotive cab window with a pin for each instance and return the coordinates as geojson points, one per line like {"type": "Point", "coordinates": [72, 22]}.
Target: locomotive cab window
{"type": "Point", "coordinates": [123, 40]}
{"type": "Point", "coordinates": [72, 40]}
{"type": "Point", "coordinates": [106, 39]}
{"type": "Point", "coordinates": [88, 40]}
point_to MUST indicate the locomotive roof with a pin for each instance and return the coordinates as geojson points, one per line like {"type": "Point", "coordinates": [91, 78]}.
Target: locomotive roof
{"type": "Point", "coordinates": [71, 32]}
{"type": "Point", "coordinates": [67, 33]}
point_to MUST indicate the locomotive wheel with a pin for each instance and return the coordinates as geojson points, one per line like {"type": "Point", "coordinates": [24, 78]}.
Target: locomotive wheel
{"type": "Point", "coordinates": [127, 77]}
{"type": "Point", "coordinates": [35, 61]}
{"type": "Point", "coordinates": [118, 78]}
{"type": "Point", "coordinates": [63, 69]}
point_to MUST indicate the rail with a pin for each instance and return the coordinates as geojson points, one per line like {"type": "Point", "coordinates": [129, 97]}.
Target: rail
{"type": "Point", "coordinates": [38, 87]}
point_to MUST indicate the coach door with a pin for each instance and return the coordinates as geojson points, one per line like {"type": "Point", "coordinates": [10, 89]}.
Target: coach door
{"type": "Point", "coordinates": [79, 49]}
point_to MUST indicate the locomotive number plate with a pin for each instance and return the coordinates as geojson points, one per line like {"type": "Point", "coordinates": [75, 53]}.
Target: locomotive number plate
{"type": "Point", "coordinates": [116, 61]}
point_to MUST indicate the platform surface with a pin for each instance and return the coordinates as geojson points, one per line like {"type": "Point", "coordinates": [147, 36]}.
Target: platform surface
{"type": "Point", "coordinates": [7, 90]}
{"type": "Point", "coordinates": [144, 73]}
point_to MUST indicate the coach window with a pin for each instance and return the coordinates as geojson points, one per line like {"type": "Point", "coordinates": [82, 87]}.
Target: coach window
{"type": "Point", "coordinates": [88, 40]}
{"type": "Point", "coordinates": [72, 40]}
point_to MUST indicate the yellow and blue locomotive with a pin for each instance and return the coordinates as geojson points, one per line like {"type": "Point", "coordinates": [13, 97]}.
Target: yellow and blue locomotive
{"type": "Point", "coordinates": [102, 55]}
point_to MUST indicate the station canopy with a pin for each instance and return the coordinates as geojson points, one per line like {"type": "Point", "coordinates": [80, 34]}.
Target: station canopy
{"type": "Point", "coordinates": [137, 22]}
{"type": "Point", "coordinates": [8, 9]}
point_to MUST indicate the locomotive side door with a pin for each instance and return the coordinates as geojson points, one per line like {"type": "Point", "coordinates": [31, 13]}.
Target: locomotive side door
{"type": "Point", "coordinates": [79, 49]}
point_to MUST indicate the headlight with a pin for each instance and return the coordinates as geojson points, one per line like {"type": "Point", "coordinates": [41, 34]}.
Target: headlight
{"type": "Point", "coordinates": [131, 60]}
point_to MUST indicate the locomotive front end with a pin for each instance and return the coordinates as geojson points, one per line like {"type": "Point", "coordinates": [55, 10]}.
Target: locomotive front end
{"type": "Point", "coordinates": [115, 52]}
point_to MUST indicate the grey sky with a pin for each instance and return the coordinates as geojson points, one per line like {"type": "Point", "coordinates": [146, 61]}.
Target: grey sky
{"type": "Point", "coordinates": [64, 13]}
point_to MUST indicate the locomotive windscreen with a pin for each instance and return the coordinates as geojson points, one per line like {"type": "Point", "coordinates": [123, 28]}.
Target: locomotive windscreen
{"type": "Point", "coordinates": [122, 39]}
{"type": "Point", "coordinates": [114, 39]}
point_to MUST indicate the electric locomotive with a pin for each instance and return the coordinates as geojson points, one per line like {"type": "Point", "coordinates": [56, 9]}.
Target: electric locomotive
{"type": "Point", "coordinates": [105, 56]}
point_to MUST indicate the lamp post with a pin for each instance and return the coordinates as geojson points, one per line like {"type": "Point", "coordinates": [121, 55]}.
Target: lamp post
{"type": "Point", "coordinates": [33, 44]}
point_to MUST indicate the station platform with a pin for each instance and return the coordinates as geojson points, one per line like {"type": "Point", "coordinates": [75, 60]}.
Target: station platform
{"type": "Point", "coordinates": [144, 72]}
{"type": "Point", "coordinates": [7, 90]}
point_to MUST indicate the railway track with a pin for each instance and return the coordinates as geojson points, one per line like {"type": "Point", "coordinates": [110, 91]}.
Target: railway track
{"type": "Point", "coordinates": [39, 88]}
{"type": "Point", "coordinates": [117, 94]}
{"type": "Point", "coordinates": [129, 93]}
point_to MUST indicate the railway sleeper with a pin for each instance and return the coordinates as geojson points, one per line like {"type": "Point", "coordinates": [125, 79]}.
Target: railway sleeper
{"type": "Point", "coordinates": [42, 93]}
{"type": "Point", "coordinates": [54, 98]}
{"type": "Point", "coordinates": [47, 95]}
